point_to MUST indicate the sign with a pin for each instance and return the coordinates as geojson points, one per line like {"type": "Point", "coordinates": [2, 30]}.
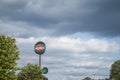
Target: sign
{"type": "Point", "coordinates": [40, 47]}
{"type": "Point", "coordinates": [45, 70]}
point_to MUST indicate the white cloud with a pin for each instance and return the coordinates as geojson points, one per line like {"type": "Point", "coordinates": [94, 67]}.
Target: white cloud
{"type": "Point", "coordinates": [77, 49]}
{"type": "Point", "coordinates": [78, 45]}
{"type": "Point", "coordinates": [75, 45]}
{"type": "Point", "coordinates": [102, 45]}
{"type": "Point", "coordinates": [69, 55]}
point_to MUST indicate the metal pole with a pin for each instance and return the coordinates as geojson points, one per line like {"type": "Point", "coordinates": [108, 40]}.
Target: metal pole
{"type": "Point", "coordinates": [40, 60]}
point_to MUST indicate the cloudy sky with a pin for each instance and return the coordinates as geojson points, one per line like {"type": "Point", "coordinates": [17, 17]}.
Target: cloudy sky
{"type": "Point", "coordinates": [82, 36]}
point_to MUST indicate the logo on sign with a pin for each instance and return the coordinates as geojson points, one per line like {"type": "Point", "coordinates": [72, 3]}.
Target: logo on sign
{"type": "Point", "coordinates": [40, 47]}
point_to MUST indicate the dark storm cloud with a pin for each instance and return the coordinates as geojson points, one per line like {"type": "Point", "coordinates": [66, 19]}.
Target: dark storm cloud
{"type": "Point", "coordinates": [100, 17]}
{"type": "Point", "coordinates": [16, 11]}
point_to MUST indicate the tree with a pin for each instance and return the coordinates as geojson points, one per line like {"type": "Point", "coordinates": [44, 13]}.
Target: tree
{"type": "Point", "coordinates": [31, 72]}
{"type": "Point", "coordinates": [9, 53]}
{"type": "Point", "coordinates": [115, 71]}
{"type": "Point", "coordinates": [87, 78]}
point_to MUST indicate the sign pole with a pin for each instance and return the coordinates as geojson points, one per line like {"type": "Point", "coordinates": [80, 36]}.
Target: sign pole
{"type": "Point", "coordinates": [40, 60]}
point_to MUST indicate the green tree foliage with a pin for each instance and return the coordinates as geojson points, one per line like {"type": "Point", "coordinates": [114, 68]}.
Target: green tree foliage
{"type": "Point", "coordinates": [115, 71]}
{"type": "Point", "coordinates": [87, 78]}
{"type": "Point", "coordinates": [31, 72]}
{"type": "Point", "coordinates": [9, 53]}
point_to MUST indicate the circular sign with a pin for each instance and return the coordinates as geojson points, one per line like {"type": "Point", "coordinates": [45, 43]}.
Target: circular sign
{"type": "Point", "coordinates": [45, 70]}
{"type": "Point", "coordinates": [40, 47]}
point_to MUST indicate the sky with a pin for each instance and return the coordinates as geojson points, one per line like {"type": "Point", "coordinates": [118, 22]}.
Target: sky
{"type": "Point", "coordinates": [82, 37]}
